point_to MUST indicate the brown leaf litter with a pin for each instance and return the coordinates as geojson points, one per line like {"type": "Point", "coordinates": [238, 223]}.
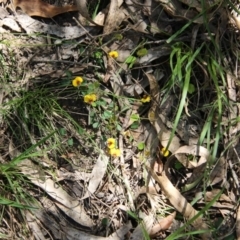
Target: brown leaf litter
{"type": "Point", "coordinates": [143, 182]}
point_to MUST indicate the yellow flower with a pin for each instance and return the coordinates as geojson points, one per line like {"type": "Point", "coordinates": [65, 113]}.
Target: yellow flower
{"type": "Point", "coordinates": [146, 98]}
{"type": "Point", "coordinates": [114, 152]}
{"type": "Point", "coordinates": [77, 81]}
{"type": "Point", "coordinates": [111, 143]}
{"type": "Point", "coordinates": [165, 152]}
{"type": "Point", "coordinates": [113, 54]}
{"type": "Point", "coordinates": [90, 98]}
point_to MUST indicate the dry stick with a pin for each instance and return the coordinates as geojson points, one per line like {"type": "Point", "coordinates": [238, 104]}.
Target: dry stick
{"type": "Point", "coordinates": [234, 175]}
{"type": "Point", "coordinates": [117, 87]}
{"type": "Point", "coordinates": [125, 179]}
{"type": "Point", "coordinates": [65, 61]}
{"type": "Point", "coordinates": [233, 112]}
{"type": "Point", "coordinates": [126, 182]}
{"type": "Point", "coordinates": [238, 223]}
{"type": "Point", "coordinates": [85, 30]}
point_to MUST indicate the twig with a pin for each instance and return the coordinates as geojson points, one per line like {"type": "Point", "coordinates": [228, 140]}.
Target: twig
{"type": "Point", "coordinates": [63, 61]}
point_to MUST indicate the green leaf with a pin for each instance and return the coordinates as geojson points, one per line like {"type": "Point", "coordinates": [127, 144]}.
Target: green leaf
{"type": "Point", "coordinates": [80, 130]}
{"type": "Point", "coordinates": [92, 114]}
{"type": "Point", "coordinates": [70, 142]}
{"type": "Point", "coordinates": [91, 88]}
{"type": "Point", "coordinates": [118, 36]}
{"type": "Point", "coordinates": [119, 128]}
{"type": "Point", "coordinates": [135, 125]}
{"type": "Point", "coordinates": [141, 146]}
{"type": "Point", "coordinates": [107, 114]}
{"type": "Point", "coordinates": [69, 74]}
{"type": "Point", "coordinates": [105, 222]}
{"type": "Point", "coordinates": [142, 52]}
{"type": "Point", "coordinates": [135, 117]}
{"type": "Point", "coordinates": [5, 201]}
{"type": "Point", "coordinates": [178, 165]}
{"type": "Point", "coordinates": [191, 88]}
{"type": "Point", "coordinates": [98, 55]}
{"type": "Point", "coordinates": [111, 105]}
{"type": "Point", "coordinates": [101, 103]}
{"type": "Point", "coordinates": [95, 125]}
{"type": "Point", "coordinates": [62, 131]}
{"type": "Point", "coordinates": [96, 84]}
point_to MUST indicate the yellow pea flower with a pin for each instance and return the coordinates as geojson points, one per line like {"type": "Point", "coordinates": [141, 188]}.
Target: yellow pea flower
{"type": "Point", "coordinates": [113, 54]}
{"type": "Point", "coordinates": [111, 143]}
{"type": "Point", "coordinates": [77, 81]}
{"type": "Point", "coordinates": [114, 152]}
{"type": "Point", "coordinates": [146, 98]}
{"type": "Point", "coordinates": [165, 152]}
{"type": "Point", "coordinates": [90, 98]}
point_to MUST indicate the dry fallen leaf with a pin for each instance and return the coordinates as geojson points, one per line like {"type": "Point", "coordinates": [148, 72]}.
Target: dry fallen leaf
{"type": "Point", "coordinates": [180, 203]}
{"type": "Point", "coordinates": [68, 204]}
{"type": "Point", "coordinates": [193, 150]}
{"type": "Point", "coordinates": [218, 173]}
{"type": "Point", "coordinates": [224, 204]}
{"type": "Point", "coordinates": [114, 18]}
{"type": "Point", "coordinates": [42, 9]}
{"type": "Point", "coordinates": [11, 23]}
{"type": "Point", "coordinates": [97, 174]}
{"type": "Point", "coordinates": [175, 9]}
{"type": "Point", "coordinates": [31, 26]}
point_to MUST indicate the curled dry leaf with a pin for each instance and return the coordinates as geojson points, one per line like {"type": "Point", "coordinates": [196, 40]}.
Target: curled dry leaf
{"type": "Point", "coordinates": [198, 166]}
{"type": "Point", "coordinates": [194, 150]}
{"type": "Point", "coordinates": [163, 224]}
{"type": "Point", "coordinates": [42, 9]}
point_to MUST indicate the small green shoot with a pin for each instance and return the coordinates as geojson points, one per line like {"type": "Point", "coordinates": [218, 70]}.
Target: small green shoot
{"type": "Point", "coordinates": [141, 146]}
{"type": "Point", "coordinates": [131, 60]}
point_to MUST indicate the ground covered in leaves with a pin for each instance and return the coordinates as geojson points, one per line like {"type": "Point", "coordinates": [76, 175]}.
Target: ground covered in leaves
{"type": "Point", "coordinates": [122, 128]}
